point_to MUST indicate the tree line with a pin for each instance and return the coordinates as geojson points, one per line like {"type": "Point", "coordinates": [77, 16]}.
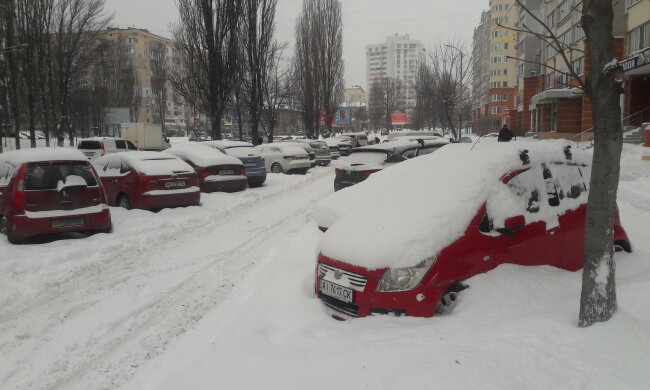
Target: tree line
{"type": "Point", "coordinates": [46, 45]}
{"type": "Point", "coordinates": [231, 61]}
{"type": "Point", "coordinates": [59, 73]}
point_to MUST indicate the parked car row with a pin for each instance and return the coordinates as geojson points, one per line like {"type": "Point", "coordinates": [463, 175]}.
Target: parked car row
{"type": "Point", "coordinates": [460, 212]}
{"type": "Point", "coordinates": [45, 191]}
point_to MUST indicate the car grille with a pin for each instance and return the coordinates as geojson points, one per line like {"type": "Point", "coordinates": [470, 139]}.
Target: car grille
{"type": "Point", "coordinates": [346, 308]}
{"type": "Point", "coordinates": [357, 282]}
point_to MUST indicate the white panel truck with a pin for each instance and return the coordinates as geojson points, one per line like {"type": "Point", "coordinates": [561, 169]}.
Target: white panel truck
{"type": "Point", "coordinates": [145, 136]}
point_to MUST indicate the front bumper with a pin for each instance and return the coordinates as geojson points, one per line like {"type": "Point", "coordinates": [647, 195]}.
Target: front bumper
{"type": "Point", "coordinates": [419, 302]}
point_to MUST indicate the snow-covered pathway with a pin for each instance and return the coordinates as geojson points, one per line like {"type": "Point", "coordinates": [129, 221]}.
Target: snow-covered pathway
{"type": "Point", "coordinates": [86, 313]}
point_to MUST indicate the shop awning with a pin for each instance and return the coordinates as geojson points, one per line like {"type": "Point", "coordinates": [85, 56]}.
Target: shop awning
{"type": "Point", "coordinates": [638, 63]}
{"type": "Point", "coordinates": [551, 94]}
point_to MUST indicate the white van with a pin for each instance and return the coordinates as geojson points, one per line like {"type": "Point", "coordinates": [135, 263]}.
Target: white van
{"type": "Point", "coordinates": [95, 147]}
{"type": "Point", "coordinates": [284, 157]}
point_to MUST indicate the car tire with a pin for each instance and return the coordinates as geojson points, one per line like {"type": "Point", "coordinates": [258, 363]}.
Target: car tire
{"type": "Point", "coordinates": [277, 168]}
{"type": "Point", "coordinates": [5, 229]}
{"type": "Point", "coordinates": [124, 201]}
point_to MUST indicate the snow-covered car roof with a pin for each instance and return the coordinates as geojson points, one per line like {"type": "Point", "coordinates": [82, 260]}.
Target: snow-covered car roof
{"type": "Point", "coordinates": [100, 139]}
{"type": "Point", "coordinates": [444, 191]}
{"type": "Point", "coordinates": [22, 156]}
{"type": "Point", "coordinates": [225, 144]}
{"type": "Point", "coordinates": [413, 134]}
{"type": "Point", "coordinates": [202, 155]}
{"type": "Point", "coordinates": [150, 163]}
{"type": "Point", "coordinates": [336, 141]}
{"type": "Point", "coordinates": [288, 147]}
{"type": "Point", "coordinates": [400, 144]}
{"type": "Point", "coordinates": [303, 145]}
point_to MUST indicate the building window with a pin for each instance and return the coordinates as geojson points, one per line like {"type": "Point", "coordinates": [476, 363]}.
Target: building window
{"type": "Point", "coordinates": [638, 38]}
{"type": "Point", "coordinates": [578, 66]}
{"type": "Point", "coordinates": [550, 19]}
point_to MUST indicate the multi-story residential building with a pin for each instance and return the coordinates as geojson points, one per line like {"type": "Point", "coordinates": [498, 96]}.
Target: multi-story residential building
{"type": "Point", "coordinates": [399, 57]}
{"type": "Point", "coordinates": [137, 49]}
{"type": "Point", "coordinates": [560, 110]}
{"type": "Point", "coordinates": [481, 73]}
{"type": "Point", "coordinates": [499, 99]}
{"type": "Point", "coordinates": [355, 97]}
{"type": "Point", "coordinates": [637, 63]}
{"type": "Point", "coordinates": [529, 57]}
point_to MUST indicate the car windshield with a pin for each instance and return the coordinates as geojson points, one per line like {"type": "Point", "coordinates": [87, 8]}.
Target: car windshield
{"type": "Point", "coordinates": [46, 176]}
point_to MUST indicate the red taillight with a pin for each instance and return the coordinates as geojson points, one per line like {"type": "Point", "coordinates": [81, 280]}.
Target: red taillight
{"type": "Point", "coordinates": [141, 149]}
{"type": "Point", "coordinates": [204, 174]}
{"type": "Point", "coordinates": [102, 190]}
{"type": "Point", "coordinates": [103, 149]}
{"type": "Point", "coordinates": [241, 170]}
{"type": "Point", "coordinates": [370, 171]}
{"type": "Point", "coordinates": [289, 157]}
{"type": "Point", "coordinates": [19, 188]}
{"type": "Point", "coordinates": [337, 170]}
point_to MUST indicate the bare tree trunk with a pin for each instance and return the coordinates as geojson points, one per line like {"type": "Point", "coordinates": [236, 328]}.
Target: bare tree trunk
{"type": "Point", "coordinates": [604, 86]}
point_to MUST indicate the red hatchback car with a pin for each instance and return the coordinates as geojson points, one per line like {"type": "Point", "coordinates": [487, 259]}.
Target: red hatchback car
{"type": "Point", "coordinates": [44, 191]}
{"type": "Point", "coordinates": [464, 212]}
{"type": "Point", "coordinates": [148, 180]}
{"type": "Point", "coordinates": [217, 171]}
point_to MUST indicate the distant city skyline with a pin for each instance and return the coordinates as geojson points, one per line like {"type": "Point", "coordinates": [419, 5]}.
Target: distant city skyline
{"type": "Point", "coordinates": [364, 22]}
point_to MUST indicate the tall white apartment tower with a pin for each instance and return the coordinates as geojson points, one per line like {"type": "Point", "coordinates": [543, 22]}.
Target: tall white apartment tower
{"type": "Point", "coordinates": [399, 57]}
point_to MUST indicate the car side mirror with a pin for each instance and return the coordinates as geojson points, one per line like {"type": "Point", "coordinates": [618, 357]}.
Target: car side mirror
{"type": "Point", "coordinates": [513, 225]}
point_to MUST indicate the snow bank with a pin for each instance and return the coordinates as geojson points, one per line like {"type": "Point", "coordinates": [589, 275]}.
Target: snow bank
{"type": "Point", "coordinates": [202, 155]}
{"type": "Point", "coordinates": [414, 209]}
{"type": "Point", "coordinates": [18, 157]}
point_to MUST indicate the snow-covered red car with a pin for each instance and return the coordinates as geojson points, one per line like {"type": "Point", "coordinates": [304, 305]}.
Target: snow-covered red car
{"type": "Point", "coordinates": [454, 214]}
{"type": "Point", "coordinates": [148, 180]}
{"type": "Point", "coordinates": [44, 191]}
{"type": "Point", "coordinates": [217, 171]}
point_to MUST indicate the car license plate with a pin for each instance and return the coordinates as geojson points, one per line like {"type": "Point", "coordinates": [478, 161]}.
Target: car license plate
{"type": "Point", "coordinates": [335, 291]}
{"type": "Point", "coordinates": [251, 164]}
{"type": "Point", "coordinates": [69, 222]}
{"type": "Point", "coordinates": [227, 172]}
{"type": "Point", "coordinates": [174, 184]}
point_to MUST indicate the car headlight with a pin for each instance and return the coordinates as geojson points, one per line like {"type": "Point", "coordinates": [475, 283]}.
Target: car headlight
{"type": "Point", "coordinates": [402, 279]}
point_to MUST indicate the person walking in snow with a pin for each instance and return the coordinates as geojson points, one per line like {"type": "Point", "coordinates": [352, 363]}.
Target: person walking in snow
{"type": "Point", "coordinates": [505, 134]}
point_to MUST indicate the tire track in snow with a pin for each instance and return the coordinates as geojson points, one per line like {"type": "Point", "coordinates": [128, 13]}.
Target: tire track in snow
{"type": "Point", "coordinates": [106, 356]}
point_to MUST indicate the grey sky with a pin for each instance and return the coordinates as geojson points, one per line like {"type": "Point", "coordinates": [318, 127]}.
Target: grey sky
{"type": "Point", "coordinates": [365, 22]}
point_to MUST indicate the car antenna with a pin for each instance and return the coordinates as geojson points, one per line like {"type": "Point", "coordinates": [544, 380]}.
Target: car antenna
{"type": "Point", "coordinates": [477, 142]}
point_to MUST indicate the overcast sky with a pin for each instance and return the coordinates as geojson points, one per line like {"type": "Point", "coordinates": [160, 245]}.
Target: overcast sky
{"type": "Point", "coordinates": [364, 22]}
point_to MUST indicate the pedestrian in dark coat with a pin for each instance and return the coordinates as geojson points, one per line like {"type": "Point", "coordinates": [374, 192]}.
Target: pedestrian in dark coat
{"type": "Point", "coordinates": [505, 135]}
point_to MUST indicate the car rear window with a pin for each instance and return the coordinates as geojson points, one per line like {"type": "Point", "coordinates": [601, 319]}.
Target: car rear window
{"type": "Point", "coordinates": [46, 176]}
{"type": "Point", "coordinates": [240, 151]}
{"type": "Point", "coordinates": [366, 157]}
{"type": "Point", "coordinates": [120, 144]}
{"type": "Point", "coordinates": [90, 145]}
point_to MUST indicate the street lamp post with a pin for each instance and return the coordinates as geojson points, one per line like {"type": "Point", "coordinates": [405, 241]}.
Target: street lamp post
{"type": "Point", "coordinates": [462, 90]}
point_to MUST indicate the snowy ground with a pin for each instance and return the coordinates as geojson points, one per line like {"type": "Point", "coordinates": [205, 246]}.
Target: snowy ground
{"type": "Point", "coordinates": [221, 296]}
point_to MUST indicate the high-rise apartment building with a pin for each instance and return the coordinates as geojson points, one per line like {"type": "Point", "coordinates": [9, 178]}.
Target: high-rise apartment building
{"type": "Point", "coordinates": [399, 57]}
{"type": "Point", "coordinates": [481, 73]}
{"type": "Point", "coordinates": [496, 102]}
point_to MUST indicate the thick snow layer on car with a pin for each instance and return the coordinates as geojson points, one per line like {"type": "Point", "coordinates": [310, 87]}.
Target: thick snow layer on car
{"type": "Point", "coordinates": [415, 209]}
{"type": "Point", "coordinates": [287, 149]}
{"type": "Point", "coordinates": [155, 163]}
{"type": "Point", "coordinates": [178, 191]}
{"type": "Point", "coordinates": [202, 155]}
{"type": "Point", "coordinates": [22, 156]}
{"type": "Point", "coordinates": [71, 181]}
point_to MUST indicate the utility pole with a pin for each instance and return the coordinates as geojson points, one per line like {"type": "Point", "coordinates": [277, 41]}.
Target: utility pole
{"type": "Point", "coordinates": [462, 90]}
